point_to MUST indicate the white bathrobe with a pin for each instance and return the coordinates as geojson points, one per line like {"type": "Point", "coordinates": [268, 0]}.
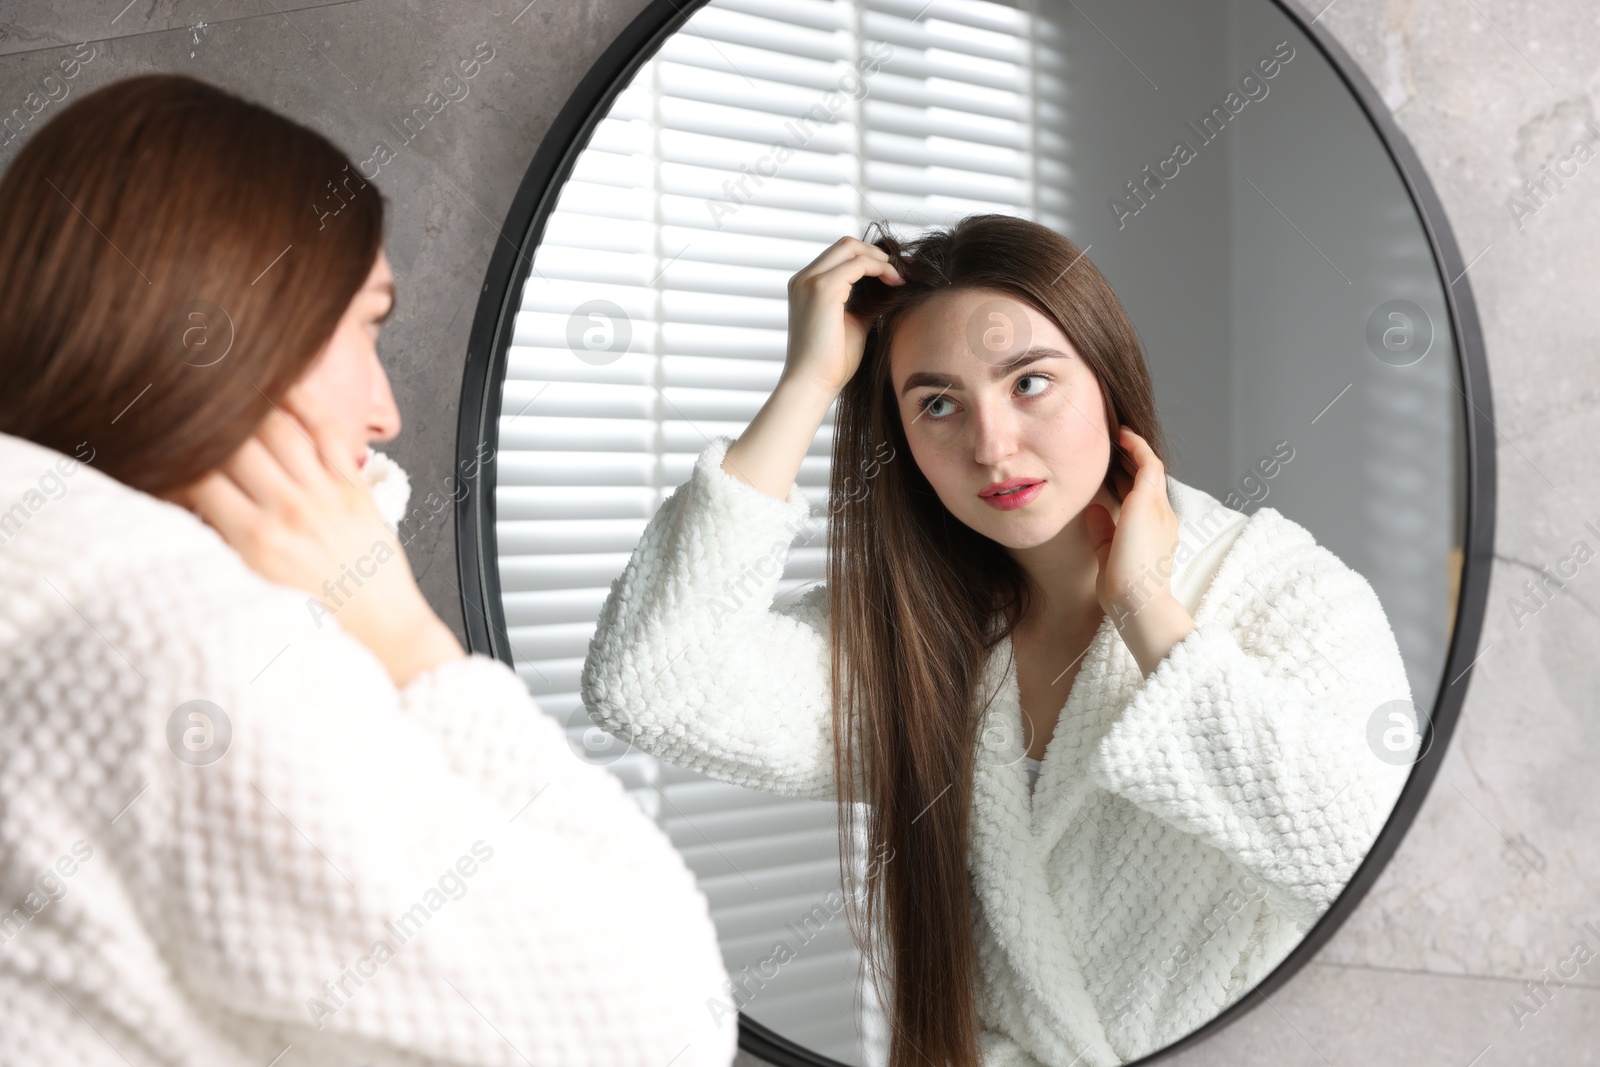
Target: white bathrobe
{"type": "Point", "coordinates": [1186, 830]}
{"type": "Point", "coordinates": [363, 875]}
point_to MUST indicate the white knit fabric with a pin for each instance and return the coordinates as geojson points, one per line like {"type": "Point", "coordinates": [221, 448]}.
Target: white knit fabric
{"type": "Point", "coordinates": [1033, 771]}
{"type": "Point", "coordinates": [1186, 830]}
{"type": "Point", "coordinates": [364, 876]}
{"type": "Point", "coordinates": [390, 487]}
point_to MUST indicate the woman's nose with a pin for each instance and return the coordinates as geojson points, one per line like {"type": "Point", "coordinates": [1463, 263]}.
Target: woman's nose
{"type": "Point", "coordinates": [994, 433]}
{"type": "Point", "coordinates": [383, 420]}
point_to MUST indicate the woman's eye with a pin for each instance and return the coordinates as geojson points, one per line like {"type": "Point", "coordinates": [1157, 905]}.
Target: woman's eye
{"type": "Point", "coordinates": [1042, 379]}
{"type": "Point", "coordinates": [925, 405]}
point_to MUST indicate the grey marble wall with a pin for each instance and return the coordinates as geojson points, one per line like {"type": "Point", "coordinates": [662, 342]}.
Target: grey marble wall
{"type": "Point", "coordinates": [1500, 871]}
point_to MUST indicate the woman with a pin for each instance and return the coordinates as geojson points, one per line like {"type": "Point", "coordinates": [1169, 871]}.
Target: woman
{"type": "Point", "coordinates": [1012, 578]}
{"type": "Point", "coordinates": [256, 803]}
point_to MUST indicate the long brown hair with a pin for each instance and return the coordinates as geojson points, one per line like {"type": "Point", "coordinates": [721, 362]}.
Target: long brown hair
{"type": "Point", "coordinates": [917, 602]}
{"type": "Point", "coordinates": [172, 259]}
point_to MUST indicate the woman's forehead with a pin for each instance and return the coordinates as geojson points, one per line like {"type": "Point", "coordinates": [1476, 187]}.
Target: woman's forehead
{"type": "Point", "coordinates": [970, 332]}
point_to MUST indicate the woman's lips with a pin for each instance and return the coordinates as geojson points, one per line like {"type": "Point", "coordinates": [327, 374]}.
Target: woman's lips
{"type": "Point", "coordinates": [1003, 501]}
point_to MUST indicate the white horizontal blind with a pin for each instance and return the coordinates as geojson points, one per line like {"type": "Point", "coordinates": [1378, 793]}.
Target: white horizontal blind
{"type": "Point", "coordinates": [685, 220]}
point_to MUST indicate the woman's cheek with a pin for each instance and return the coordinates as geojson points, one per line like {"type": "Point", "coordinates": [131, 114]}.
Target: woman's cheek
{"type": "Point", "coordinates": [930, 459]}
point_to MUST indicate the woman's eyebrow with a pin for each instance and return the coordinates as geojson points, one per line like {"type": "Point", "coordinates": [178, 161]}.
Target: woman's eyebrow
{"type": "Point", "coordinates": [998, 371]}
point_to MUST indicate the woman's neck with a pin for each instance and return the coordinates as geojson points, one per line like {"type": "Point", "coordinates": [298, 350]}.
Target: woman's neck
{"type": "Point", "coordinates": [1063, 573]}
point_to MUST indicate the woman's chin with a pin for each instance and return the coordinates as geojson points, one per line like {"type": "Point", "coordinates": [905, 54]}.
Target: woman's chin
{"type": "Point", "coordinates": [1017, 533]}
{"type": "Point", "coordinates": [1021, 542]}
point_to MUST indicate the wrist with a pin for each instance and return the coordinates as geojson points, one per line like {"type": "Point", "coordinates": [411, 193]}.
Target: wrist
{"type": "Point", "coordinates": [419, 646]}
{"type": "Point", "coordinates": [769, 453]}
{"type": "Point", "coordinates": [1151, 629]}
{"type": "Point", "coordinates": [1129, 608]}
{"type": "Point", "coordinates": [808, 392]}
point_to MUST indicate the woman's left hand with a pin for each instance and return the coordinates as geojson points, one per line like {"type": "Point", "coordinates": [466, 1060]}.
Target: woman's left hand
{"type": "Point", "coordinates": [1136, 553]}
{"type": "Point", "coordinates": [1136, 549]}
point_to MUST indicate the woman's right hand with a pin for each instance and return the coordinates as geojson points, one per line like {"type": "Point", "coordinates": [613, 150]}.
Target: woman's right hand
{"type": "Point", "coordinates": [825, 346]}
{"type": "Point", "coordinates": [825, 340]}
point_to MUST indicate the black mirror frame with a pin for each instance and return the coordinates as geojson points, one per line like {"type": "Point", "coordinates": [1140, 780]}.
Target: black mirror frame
{"type": "Point", "coordinates": [483, 375]}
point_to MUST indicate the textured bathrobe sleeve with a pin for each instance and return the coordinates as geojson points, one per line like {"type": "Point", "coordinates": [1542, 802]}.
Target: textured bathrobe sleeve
{"type": "Point", "coordinates": [1253, 736]}
{"type": "Point", "coordinates": [691, 662]}
{"type": "Point", "coordinates": [234, 842]}
{"type": "Point", "coordinates": [422, 875]}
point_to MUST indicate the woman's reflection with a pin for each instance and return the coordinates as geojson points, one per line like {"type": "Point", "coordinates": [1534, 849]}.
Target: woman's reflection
{"type": "Point", "coordinates": [1013, 583]}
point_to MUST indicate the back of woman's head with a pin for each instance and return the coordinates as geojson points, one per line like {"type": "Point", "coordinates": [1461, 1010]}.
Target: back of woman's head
{"type": "Point", "coordinates": [917, 600]}
{"type": "Point", "coordinates": [172, 258]}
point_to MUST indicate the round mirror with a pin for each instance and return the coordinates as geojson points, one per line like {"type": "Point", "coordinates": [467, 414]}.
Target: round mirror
{"type": "Point", "coordinates": [1306, 320]}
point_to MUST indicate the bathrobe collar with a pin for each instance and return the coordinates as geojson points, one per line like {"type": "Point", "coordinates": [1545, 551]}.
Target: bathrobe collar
{"type": "Point", "coordinates": [1019, 830]}
{"type": "Point", "coordinates": [28, 466]}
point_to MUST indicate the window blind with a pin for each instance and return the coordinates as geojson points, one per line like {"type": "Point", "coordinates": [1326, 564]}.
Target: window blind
{"type": "Point", "coordinates": [655, 319]}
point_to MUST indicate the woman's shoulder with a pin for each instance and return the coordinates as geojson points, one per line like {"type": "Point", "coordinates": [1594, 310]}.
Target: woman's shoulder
{"type": "Point", "coordinates": [125, 615]}
{"type": "Point", "coordinates": [1236, 558]}
{"type": "Point", "coordinates": [146, 582]}
{"type": "Point", "coordinates": [56, 507]}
